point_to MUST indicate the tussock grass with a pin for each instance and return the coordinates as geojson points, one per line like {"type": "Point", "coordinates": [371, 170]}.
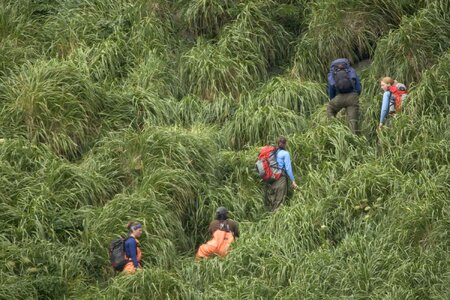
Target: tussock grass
{"type": "Point", "coordinates": [154, 74]}
{"type": "Point", "coordinates": [220, 110]}
{"type": "Point", "coordinates": [13, 55]}
{"type": "Point", "coordinates": [155, 111]}
{"type": "Point", "coordinates": [51, 102]}
{"type": "Point", "coordinates": [432, 96]}
{"type": "Point", "coordinates": [15, 19]}
{"type": "Point", "coordinates": [206, 70]}
{"type": "Point", "coordinates": [209, 69]}
{"type": "Point", "coordinates": [300, 96]}
{"type": "Point", "coordinates": [190, 109]}
{"type": "Point", "coordinates": [207, 17]}
{"type": "Point", "coordinates": [162, 235]}
{"type": "Point", "coordinates": [108, 61]}
{"type": "Point", "coordinates": [255, 36]}
{"type": "Point", "coordinates": [253, 124]}
{"type": "Point", "coordinates": [331, 34]}
{"type": "Point", "coordinates": [415, 46]}
{"type": "Point", "coordinates": [343, 29]}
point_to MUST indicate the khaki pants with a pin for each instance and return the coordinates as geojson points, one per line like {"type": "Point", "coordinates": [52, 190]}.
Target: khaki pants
{"type": "Point", "coordinates": [276, 192]}
{"type": "Point", "coordinates": [349, 101]}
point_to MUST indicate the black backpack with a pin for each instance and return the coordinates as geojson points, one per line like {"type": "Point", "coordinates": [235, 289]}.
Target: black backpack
{"type": "Point", "coordinates": [117, 255]}
{"type": "Point", "coordinates": [344, 84]}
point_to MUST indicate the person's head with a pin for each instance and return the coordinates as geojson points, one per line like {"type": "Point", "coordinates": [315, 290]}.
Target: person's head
{"type": "Point", "coordinates": [134, 229]}
{"type": "Point", "coordinates": [221, 213]}
{"type": "Point", "coordinates": [386, 82]}
{"type": "Point", "coordinates": [281, 142]}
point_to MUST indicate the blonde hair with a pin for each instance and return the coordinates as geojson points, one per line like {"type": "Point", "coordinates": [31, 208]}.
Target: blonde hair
{"type": "Point", "coordinates": [388, 80]}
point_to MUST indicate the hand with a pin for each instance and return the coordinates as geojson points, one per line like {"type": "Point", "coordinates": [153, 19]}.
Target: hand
{"type": "Point", "coordinates": [294, 185]}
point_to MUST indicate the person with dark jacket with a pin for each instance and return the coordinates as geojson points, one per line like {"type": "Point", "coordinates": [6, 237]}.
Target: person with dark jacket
{"type": "Point", "coordinates": [344, 88]}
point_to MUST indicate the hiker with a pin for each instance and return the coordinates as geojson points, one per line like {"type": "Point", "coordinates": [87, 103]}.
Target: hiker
{"type": "Point", "coordinates": [393, 96]}
{"type": "Point", "coordinates": [276, 191]}
{"type": "Point", "coordinates": [132, 248]}
{"type": "Point", "coordinates": [223, 232]}
{"type": "Point", "coordinates": [344, 89]}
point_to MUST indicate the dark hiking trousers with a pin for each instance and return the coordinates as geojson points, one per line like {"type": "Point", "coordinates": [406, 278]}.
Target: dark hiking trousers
{"type": "Point", "coordinates": [349, 101]}
{"type": "Point", "coordinates": [276, 193]}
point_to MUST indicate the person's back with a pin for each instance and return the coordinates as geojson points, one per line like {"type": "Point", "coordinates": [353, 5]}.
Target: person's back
{"type": "Point", "coordinates": [218, 225]}
{"type": "Point", "coordinates": [276, 191]}
{"type": "Point", "coordinates": [342, 78]}
{"type": "Point", "coordinates": [223, 231]}
{"type": "Point", "coordinates": [344, 88]}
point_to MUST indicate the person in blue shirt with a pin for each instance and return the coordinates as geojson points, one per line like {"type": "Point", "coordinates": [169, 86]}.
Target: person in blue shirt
{"type": "Point", "coordinates": [389, 105]}
{"type": "Point", "coordinates": [385, 83]}
{"type": "Point", "coordinates": [132, 248]}
{"type": "Point", "coordinates": [277, 191]}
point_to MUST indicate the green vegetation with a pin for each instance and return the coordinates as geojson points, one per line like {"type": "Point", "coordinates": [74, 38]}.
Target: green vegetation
{"type": "Point", "coordinates": [154, 110]}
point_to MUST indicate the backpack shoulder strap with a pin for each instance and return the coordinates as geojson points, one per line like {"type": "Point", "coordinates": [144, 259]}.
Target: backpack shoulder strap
{"type": "Point", "coordinates": [224, 226]}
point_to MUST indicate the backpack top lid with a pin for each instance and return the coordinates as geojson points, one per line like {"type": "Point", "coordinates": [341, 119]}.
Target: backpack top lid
{"type": "Point", "coordinates": [401, 86]}
{"type": "Point", "coordinates": [393, 89]}
{"type": "Point", "coordinates": [340, 61]}
{"type": "Point", "coordinates": [398, 88]}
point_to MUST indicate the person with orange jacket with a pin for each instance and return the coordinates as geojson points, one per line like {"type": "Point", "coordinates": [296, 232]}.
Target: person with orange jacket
{"type": "Point", "coordinates": [223, 231]}
{"type": "Point", "coordinates": [132, 248]}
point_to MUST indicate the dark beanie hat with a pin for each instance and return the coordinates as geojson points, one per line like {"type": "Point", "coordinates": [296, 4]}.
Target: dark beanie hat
{"type": "Point", "coordinates": [221, 213]}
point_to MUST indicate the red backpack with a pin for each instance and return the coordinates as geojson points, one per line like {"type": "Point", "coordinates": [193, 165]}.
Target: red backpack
{"type": "Point", "coordinates": [267, 166]}
{"type": "Point", "coordinates": [398, 95]}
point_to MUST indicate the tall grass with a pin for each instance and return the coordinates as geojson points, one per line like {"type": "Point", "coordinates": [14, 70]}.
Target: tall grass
{"type": "Point", "coordinates": [51, 102]}
{"type": "Point", "coordinates": [153, 73]}
{"type": "Point", "coordinates": [255, 36]}
{"type": "Point", "coordinates": [431, 96]}
{"type": "Point", "coordinates": [155, 110]}
{"type": "Point", "coordinates": [300, 96]}
{"type": "Point", "coordinates": [137, 108]}
{"type": "Point", "coordinates": [206, 70]}
{"type": "Point", "coordinates": [209, 68]}
{"type": "Point", "coordinates": [207, 17]}
{"type": "Point", "coordinates": [343, 29]}
{"type": "Point", "coordinates": [254, 124]}
{"type": "Point", "coordinates": [415, 46]}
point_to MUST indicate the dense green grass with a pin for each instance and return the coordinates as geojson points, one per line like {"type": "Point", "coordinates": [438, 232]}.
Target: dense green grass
{"type": "Point", "coordinates": [154, 110]}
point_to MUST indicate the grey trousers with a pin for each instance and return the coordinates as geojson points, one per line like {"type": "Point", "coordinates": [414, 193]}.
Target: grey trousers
{"type": "Point", "coordinates": [349, 101]}
{"type": "Point", "coordinates": [276, 193]}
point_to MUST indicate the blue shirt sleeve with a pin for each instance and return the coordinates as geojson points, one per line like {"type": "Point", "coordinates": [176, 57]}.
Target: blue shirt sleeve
{"type": "Point", "coordinates": [284, 162]}
{"type": "Point", "coordinates": [288, 166]}
{"type": "Point", "coordinates": [358, 85]}
{"type": "Point", "coordinates": [384, 106]}
{"type": "Point", "coordinates": [130, 250]}
{"type": "Point", "coordinates": [331, 91]}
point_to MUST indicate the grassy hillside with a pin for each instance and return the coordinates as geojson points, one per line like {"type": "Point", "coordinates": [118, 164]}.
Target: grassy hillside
{"type": "Point", "coordinates": [154, 110]}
